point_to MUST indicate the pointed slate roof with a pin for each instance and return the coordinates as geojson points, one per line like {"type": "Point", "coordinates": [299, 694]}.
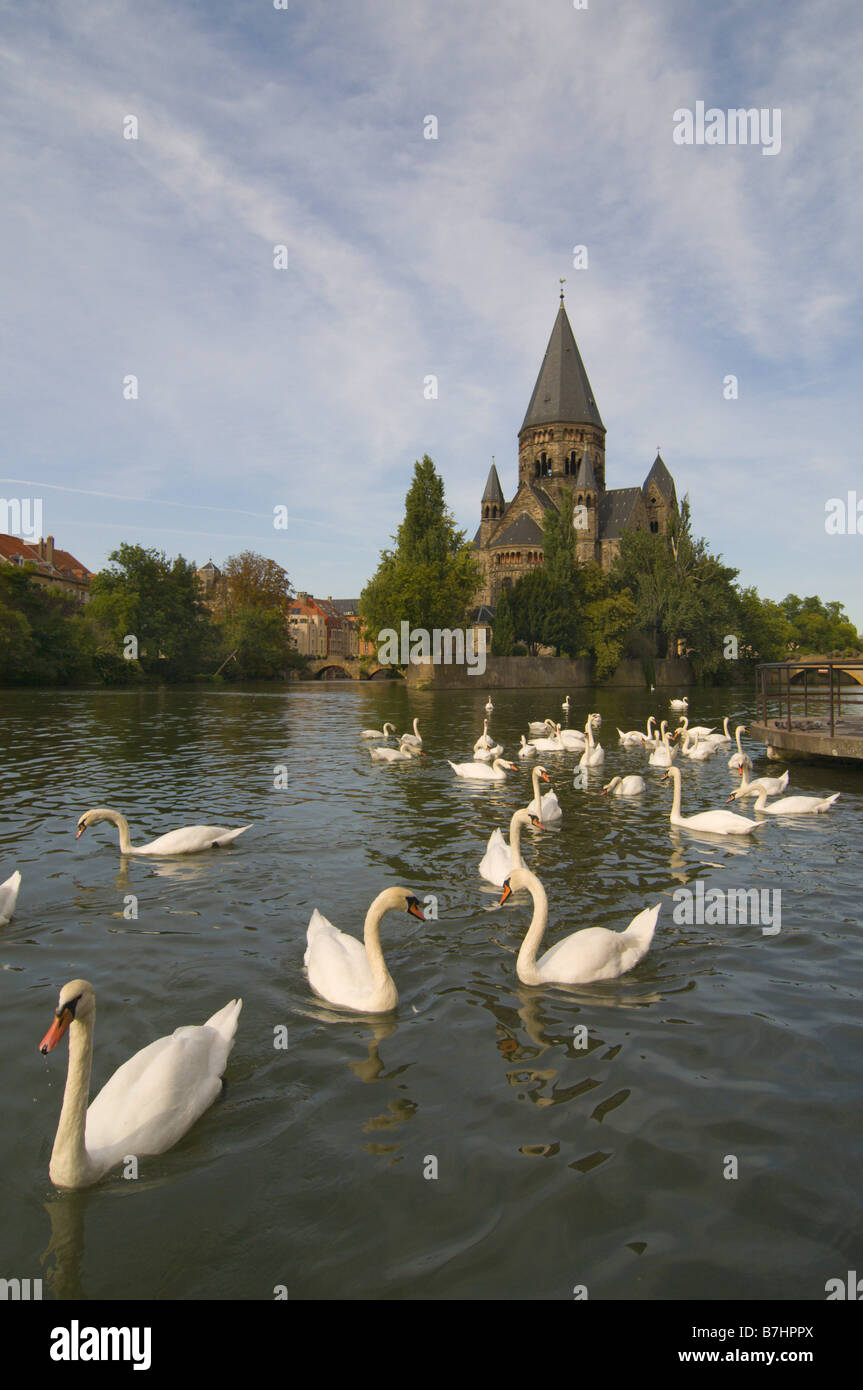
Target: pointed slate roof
{"type": "Point", "coordinates": [493, 490]}
{"type": "Point", "coordinates": [523, 531]}
{"type": "Point", "coordinates": [562, 390]}
{"type": "Point", "coordinates": [586, 478]}
{"type": "Point", "coordinates": [616, 509]}
{"type": "Point", "coordinates": [542, 497]}
{"type": "Point", "coordinates": [659, 477]}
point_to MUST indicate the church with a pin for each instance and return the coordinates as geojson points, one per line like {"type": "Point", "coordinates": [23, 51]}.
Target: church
{"type": "Point", "coordinates": [561, 462]}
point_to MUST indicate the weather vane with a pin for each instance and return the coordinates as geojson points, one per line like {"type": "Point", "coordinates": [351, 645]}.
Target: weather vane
{"type": "Point", "coordinates": [562, 283]}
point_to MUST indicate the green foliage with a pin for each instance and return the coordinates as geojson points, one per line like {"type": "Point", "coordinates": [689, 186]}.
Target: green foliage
{"type": "Point", "coordinates": [158, 602]}
{"type": "Point", "coordinates": [819, 628]}
{"type": "Point", "coordinates": [609, 616]}
{"type": "Point", "coordinates": [503, 631]}
{"type": "Point", "coordinates": [42, 640]}
{"type": "Point", "coordinates": [260, 639]}
{"type": "Point", "coordinates": [430, 577]}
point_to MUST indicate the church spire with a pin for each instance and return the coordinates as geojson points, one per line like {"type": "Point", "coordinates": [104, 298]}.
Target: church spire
{"type": "Point", "coordinates": [562, 391]}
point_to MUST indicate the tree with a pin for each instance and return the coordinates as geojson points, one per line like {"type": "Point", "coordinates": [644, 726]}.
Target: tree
{"type": "Point", "coordinates": [819, 628]}
{"type": "Point", "coordinates": [156, 601]}
{"type": "Point", "coordinates": [430, 577]}
{"type": "Point", "coordinates": [503, 632]}
{"type": "Point", "coordinates": [253, 581]}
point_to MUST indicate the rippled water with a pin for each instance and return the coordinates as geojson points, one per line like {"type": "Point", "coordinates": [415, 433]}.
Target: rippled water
{"type": "Point", "coordinates": [557, 1166]}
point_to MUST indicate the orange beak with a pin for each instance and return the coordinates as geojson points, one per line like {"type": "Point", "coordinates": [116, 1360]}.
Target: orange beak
{"type": "Point", "coordinates": [545, 777]}
{"type": "Point", "coordinates": [507, 893]}
{"type": "Point", "coordinates": [56, 1031]}
{"type": "Point", "coordinates": [80, 831]}
{"type": "Point", "coordinates": [415, 911]}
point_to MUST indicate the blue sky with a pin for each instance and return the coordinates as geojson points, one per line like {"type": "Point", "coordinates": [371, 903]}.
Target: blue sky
{"type": "Point", "coordinates": [408, 257]}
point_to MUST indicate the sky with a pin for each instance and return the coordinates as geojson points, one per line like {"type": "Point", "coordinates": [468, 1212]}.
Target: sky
{"type": "Point", "coordinates": [261, 388]}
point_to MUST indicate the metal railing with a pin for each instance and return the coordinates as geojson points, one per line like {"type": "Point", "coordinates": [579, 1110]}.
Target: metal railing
{"type": "Point", "coordinates": [775, 680]}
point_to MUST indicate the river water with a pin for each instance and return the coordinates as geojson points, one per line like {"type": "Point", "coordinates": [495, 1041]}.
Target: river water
{"type": "Point", "coordinates": [608, 1167]}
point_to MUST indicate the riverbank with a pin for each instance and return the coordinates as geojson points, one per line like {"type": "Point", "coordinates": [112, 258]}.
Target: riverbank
{"type": "Point", "coordinates": [537, 672]}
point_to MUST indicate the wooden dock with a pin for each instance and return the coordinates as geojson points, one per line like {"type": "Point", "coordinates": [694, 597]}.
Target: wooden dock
{"type": "Point", "coordinates": [819, 709]}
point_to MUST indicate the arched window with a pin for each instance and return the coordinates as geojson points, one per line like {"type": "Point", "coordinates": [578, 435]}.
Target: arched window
{"type": "Point", "coordinates": [654, 526]}
{"type": "Point", "coordinates": [536, 469]}
{"type": "Point", "coordinates": [485, 514]}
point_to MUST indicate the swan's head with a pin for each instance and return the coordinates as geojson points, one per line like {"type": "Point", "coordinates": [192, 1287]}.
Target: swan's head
{"type": "Point", "coordinates": [91, 817]}
{"type": "Point", "coordinates": [542, 774]}
{"type": "Point", "coordinates": [526, 818]}
{"type": "Point", "coordinates": [672, 775]}
{"type": "Point", "coordinates": [387, 725]}
{"type": "Point", "coordinates": [410, 902]}
{"type": "Point", "coordinates": [77, 1001]}
{"type": "Point", "coordinates": [519, 878]}
{"type": "Point", "coordinates": [615, 781]}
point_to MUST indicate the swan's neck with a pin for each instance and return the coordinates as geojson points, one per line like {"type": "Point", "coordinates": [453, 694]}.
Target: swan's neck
{"type": "Point", "coordinates": [737, 736]}
{"type": "Point", "coordinates": [725, 727]}
{"type": "Point", "coordinates": [381, 976]}
{"type": "Point", "coordinates": [675, 805]}
{"type": "Point", "coordinates": [70, 1162]}
{"type": "Point", "coordinates": [515, 841]}
{"type": "Point", "coordinates": [526, 962]}
{"type": "Point", "coordinates": [537, 794]}
{"type": "Point", "coordinates": [118, 819]}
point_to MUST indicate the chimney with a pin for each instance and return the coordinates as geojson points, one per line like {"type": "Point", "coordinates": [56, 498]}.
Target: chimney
{"type": "Point", "coordinates": [46, 550]}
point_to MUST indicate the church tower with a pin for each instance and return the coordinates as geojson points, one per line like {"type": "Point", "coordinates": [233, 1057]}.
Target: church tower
{"type": "Point", "coordinates": [562, 418]}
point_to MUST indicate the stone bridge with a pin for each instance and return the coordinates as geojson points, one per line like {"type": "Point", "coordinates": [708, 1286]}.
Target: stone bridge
{"type": "Point", "coordinates": [340, 668]}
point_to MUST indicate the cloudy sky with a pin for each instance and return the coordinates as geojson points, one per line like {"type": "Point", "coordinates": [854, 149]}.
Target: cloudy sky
{"type": "Point", "coordinates": [303, 387]}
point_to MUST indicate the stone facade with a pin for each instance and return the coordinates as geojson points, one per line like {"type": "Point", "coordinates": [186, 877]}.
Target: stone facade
{"type": "Point", "coordinates": [561, 462]}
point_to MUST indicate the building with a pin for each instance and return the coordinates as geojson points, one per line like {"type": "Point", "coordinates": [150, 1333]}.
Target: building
{"type": "Point", "coordinates": [50, 567]}
{"type": "Point", "coordinates": [349, 608]}
{"type": "Point", "coordinates": [561, 462]}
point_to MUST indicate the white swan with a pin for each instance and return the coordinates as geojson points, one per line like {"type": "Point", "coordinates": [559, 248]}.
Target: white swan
{"type": "Point", "coordinates": [489, 709]}
{"type": "Point", "coordinates": [484, 740]}
{"type": "Point", "coordinates": [771, 786]}
{"type": "Point", "coordinates": [481, 772]}
{"type": "Point", "coordinates": [541, 726]}
{"type": "Point", "coordinates": [625, 786]}
{"type": "Point", "coordinates": [9, 897]}
{"type": "Point", "coordinates": [695, 748]}
{"type": "Point", "coordinates": [565, 705]}
{"type": "Point", "coordinates": [635, 738]}
{"type": "Point", "coordinates": [594, 753]}
{"type": "Point", "coordinates": [413, 740]}
{"type": "Point", "coordinates": [501, 858]}
{"type": "Point", "coordinates": [488, 755]}
{"type": "Point", "coordinates": [546, 807]}
{"type": "Point", "coordinates": [794, 805]}
{"type": "Point", "coordinates": [701, 730]}
{"type": "Point", "coordinates": [739, 759]}
{"type": "Point", "coordinates": [594, 953]}
{"type": "Point", "coordinates": [185, 841]}
{"type": "Point", "coordinates": [716, 822]}
{"type": "Point", "coordinates": [150, 1101]}
{"type": "Point", "coordinates": [679, 704]}
{"type": "Point", "coordinates": [405, 754]}
{"type": "Point", "coordinates": [526, 750]}
{"type": "Point", "coordinates": [724, 737]}
{"type": "Point", "coordinates": [378, 733]}
{"type": "Point", "coordinates": [663, 754]}
{"type": "Point", "coordinates": [573, 740]}
{"type": "Point", "coordinates": [550, 745]}
{"type": "Point", "coordinates": [351, 973]}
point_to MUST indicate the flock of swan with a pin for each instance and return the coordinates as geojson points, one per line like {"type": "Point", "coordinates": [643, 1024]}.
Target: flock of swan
{"type": "Point", "coordinates": [154, 1098]}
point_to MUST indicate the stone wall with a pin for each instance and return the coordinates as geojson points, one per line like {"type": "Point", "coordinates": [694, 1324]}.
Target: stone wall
{"type": "Point", "coordinates": [532, 672]}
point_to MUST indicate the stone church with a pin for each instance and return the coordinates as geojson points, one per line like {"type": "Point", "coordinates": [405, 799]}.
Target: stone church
{"type": "Point", "coordinates": [561, 461]}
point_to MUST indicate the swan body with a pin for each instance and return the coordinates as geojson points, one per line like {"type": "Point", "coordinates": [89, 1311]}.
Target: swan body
{"type": "Point", "coordinates": [679, 704]}
{"type": "Point", "coordinates": [485, 740]}
{"type": "Point", "coordinates": [697, 749]}
{"type": "Point", "coordinates": [488, 755]}
{"type": "Point", "coordinates": [701, 730]}
{"type": "Point", "coordinates": [739, 759]}
{"type": "Point", "coordinates": [9, 897]}
{"type": "Point", "coordinates": [594, 953]}
{"type": "Point", "coordinates": [188, 840]}
{"type": "Point", "coordinates": [550, 745]}
{"type": "Point", "coordinates": [541, 726]}
{"type": "Point", "coordinates": [351, 973]}
{"type": "Point", "coordinates": [795, 805]}
{"type": "Point", "coordinates": [724, 737]}
{"type": "Point", "coordinates": [546, 807]}
{"type": "Point", "coordinates": [635, 738]}
{"type": "Point", "coordinates": [378, 733]}
{"type": "Point", "coordinates": [715, 822]}
{"type": "Point", "coordinates": [413, 740]}
{"type": "Point", "coordinates": [594, 753]}
{"type": "Point", "coordinates": [526, 750]}
{"type": "Point", "coordinates": [771, 786]}
{"type": "Point", "coordinates": [565, 705]}
{"type": "Point", "coordinates": [501, 858]}
{"type": "Point", "coordinates": [403, 754]}
{"type": "Point", "coordinates": [489, 709]}
{"type": "Point", "coordinates": [625, 786]}
{"type": "Point", "coordinates": [150, 1101]}
{"type": "Point", "coordinates": [482, 772]}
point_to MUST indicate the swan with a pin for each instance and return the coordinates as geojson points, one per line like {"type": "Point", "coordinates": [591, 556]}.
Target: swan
{"type": "Point", "coordinates": [150, 1101]}
{"type": "Point", "coordinates": [488, 755]}
{"type": "Point", "coordinates": [679, 704]}
{"type": "Point", "coordinates": [739, 759]}
{"type": "Point", "coordinates": [697, 749]}
{"type": "Point", "coordinates": [413, 740]}
{"type": "Point", "coordinates": [404, 754]}
{"type": "Point", "coordinates": [701, 730]}
{"type": "Point", "coordinates": [716, 822]}
{"type": "Point", "coordinates": [565, 705]}
{"type": "Point", "coordinates": [484, 740]}
{"type": "Point", "coordinates": [353, 973]}
{"type": "Point", "coordinates": [481, 772]}
{"type": "Point", "coordinates": [771, 786]}
{"type": "Point", "coordinates": [635, 738]}
{"type": "Point", "coordinates": [546, 807]}
{"type": "Point", "coordinates": [501, 858]}
{"type": "Point", "coordinates": [597, 720]}
{"type": "Point", "coordinates": [663, 754]}
{"type": "Point", "coordinates": [185, 841]}
{"type": "Point", "coordinates": [594, 953]}
{"type": "Point", "coordinates": [489, 709]}
{"type": "Point", "coordinates": [549, 745]}
{"type": "Point", "coordinates": [625, 786]}
{"type": "Point", "coordinates": [378, 733]}
{"type": "Point", "coordinates": [541, 726]}
{"type": "Point", "coordinates": [526, 750]}
{"type": "Point", "coordinates": [8, 897]}
{"type": "Point", "coordinates": [573, 740]}
{"type": "Point", "coordinates": [794, 805]}
{"type": "Point", "coordinates": [594, 753]}
{"type": "Point", "coordinates": [724, 737]}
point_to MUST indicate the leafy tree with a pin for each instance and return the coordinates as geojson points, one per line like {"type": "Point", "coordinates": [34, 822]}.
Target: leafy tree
{"type": "Point", "coordinates": [609, 616]}
{"type": "Point", "coordinates": [253, 581]}
{"type": "Point", "coordinates": [40, 633]}
{"type": "Point", "coordinates": [819, 628]}
{"type": "Point", "coordinates": [430, 577]}
{"type": "Point", "coordinates": [158, 602]}
{"type": "Point", "coordinates": [503, 632]}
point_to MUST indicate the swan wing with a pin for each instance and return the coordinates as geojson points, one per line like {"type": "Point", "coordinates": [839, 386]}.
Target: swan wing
{"type": "Point", "coordinates": [190, 839]}
{"type": "Point", "coordinates": [496, 863]}
{"type": "Point", "coordinates": [9, 896]}
{"type": "Point", "coordinates": [337, 965]}
{"type": "Point", "coordinates": [153, 1099]}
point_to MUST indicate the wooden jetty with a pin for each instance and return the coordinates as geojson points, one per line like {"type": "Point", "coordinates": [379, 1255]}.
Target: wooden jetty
{"type": "Point", "coordinates": [811, 708]}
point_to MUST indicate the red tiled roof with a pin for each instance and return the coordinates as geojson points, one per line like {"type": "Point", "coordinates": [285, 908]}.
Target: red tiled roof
{"type": "Point", "coordinates": [64, 565]}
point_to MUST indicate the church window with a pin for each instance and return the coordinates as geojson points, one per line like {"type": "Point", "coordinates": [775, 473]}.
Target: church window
{"type": "Point", "coordinates": [654, 526]}
{"type": "Point", "coordinates": [485, 514]}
